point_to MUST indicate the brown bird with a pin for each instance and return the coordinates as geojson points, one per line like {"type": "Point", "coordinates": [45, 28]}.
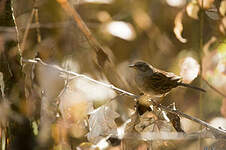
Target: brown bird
{"type": "Point", "coordinates": [156, 82]}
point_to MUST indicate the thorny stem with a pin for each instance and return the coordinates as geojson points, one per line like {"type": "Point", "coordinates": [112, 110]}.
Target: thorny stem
{"type": "Point", "coordinates": [217, 132]}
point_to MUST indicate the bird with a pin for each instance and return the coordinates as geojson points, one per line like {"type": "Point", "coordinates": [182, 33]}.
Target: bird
{"type": "Point", "coordinates": [155, 82]}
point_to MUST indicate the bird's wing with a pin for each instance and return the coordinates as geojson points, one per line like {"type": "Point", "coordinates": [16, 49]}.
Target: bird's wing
{"type": "Point", "coordinates": [163, 82]}
{"type": "Point", "coordinates": [170, 75]}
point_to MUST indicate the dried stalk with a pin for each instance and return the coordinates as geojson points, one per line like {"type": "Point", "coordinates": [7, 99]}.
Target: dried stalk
{"type": "Point", "coordinates": [102, 57]}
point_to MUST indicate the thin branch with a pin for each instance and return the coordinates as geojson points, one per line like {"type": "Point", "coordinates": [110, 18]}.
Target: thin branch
{"type": "Point", "coordinates": [213, 88]}
{"type": "Point", "coordinates": [81, 24]}
{"type": "Point", "coordinates": [16, 28]}
{"type": "Point", "coordinates": [102, 57]}
{"type": "Point", "coordinates": [217, 132]}
{"type": "Point", "coordinates": [27, 30]}
{"type": "Point", "coordinates": [38, 25]}
{"type": "Point", "coordinates": [39, 61]}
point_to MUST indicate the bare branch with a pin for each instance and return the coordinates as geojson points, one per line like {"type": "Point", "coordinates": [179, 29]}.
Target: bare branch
{"type": "Point", "coordinates": [39, 61]}
{"type": "Point", "coordinates": [218, 133]}
{"type": "Point", "coordinates": [102, 57]}
{"type": "Point", "coordinates": [16, 28]}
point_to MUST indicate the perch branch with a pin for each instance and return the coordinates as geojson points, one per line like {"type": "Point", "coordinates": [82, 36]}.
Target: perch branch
{"type": "Point", "coordinates": [217, 132]}
{"type": "Point", "coordinates": [39, 61]}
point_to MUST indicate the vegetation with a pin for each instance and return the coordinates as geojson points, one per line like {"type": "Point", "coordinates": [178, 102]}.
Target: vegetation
{"type": "Point", "coordinates": [65, 81]}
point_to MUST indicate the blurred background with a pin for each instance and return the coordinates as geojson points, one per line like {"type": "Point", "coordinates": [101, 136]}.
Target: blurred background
{"type": "Point", "coordinates": [42, 108]}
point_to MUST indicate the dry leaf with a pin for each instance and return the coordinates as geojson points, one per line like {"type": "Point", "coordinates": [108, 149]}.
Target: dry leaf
{"type": "Point", "coordinates": [102, 57]}
{"type": "Point", "coordinates": [192, 10]}
{"type": "Point", "coordinates": [213, 13]}
{"type": "Point", "coordinates": [219, 122]}
{"type": "Point", "coordinates": [222, 8]}
{"type": "Point", "coordinates": [206, 4]}
{"type": "Point", "coordinates": [189, 69]}
{"type": "Point", "coordinates": [87, 146]}
{"type": "Point", "coordinates": [178, 28]}
{"type": "Point", "coordinates": [102, 123]}
{"type": "Point", "coordinates": [176, 3]}
{"type": "Point", "coordinates": [142, 19]}
{"type": "Point", "coordinates": [121, 29]}
{"type": "Point", "coordinates": [175, 120]}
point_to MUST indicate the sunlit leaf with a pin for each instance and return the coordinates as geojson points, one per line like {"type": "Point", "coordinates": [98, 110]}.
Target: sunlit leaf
{"type": "Point", "coordinates": [178, 28]}
{"type": "Point", "coordinates": [98, 1]}
{"type": "Point", "coordinates": [103, 16]}
{"type": "Point", "coordinates": [176, 3]}
{"type": "Point", "coordinates": [192, 10]}
{"type": "Point", "coordinates": [121, 29]}
{"type": "Point", "coordinates": [87, 146]}
{"type": "Point", "coordinates": [219, 122]}
{"type": "Point", "coordinates": [93, 91]}
{"type": "Point", "coordinates": [221, 67]}
{"type": "Point", "coordinates": [222, 8]}
{"type": "Point", "coordinates": [189, 69]}
{"type": "Point", "coordinates": [222, 48]}
{"type": "Point", "coordinates": [142, 19]}
{"type": "Point", "coordinates": [205, 3]}
{"type": "Point", "coordinates": [102, 123]}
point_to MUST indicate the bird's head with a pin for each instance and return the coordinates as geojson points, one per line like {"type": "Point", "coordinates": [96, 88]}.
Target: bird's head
{"type": "Point", "coordinates": [141, 66]}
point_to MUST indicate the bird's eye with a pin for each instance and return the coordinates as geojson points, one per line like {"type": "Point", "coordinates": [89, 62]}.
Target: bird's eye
{"type": "Point", "coordinates": [142, 68]}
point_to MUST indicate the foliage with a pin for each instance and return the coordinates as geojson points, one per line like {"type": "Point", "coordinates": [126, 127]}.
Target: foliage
{"type": "Point", "coordinates": [65, 81]}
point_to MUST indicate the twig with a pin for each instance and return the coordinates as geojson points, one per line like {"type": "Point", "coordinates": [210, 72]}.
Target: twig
{"type": "Point", "coordinates": [38, 25]}
{"type": "Point", "coordinates": [81, 24]}
{"type": "Point", "coordinates": [217, 132]}
{"type": "Point", "coordinates": [27, 30]}
{"type": "Point", "coordinates": [39, 61]}
{"type": "Point", "coordinates": [213, 88]}
{"type": "Point", "coordinates": [17, 31]}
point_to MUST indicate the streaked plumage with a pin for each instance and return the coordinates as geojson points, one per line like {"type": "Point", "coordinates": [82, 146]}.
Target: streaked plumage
{"type": "Point", "coordinates": [157, 82]}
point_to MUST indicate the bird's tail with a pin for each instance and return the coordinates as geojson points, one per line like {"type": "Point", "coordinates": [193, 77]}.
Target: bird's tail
{"type": "Point", "coordinates": [193, 87]}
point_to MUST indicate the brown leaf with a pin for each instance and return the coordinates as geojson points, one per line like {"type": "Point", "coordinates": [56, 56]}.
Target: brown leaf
{"type": "Point", "coordinates": [175, 120]}
{"type": "Point", "coordinates": [192, 10]}
{"type": "Point", "coordinates": [222, 8]}
{"type": "Point", "coordinates": [205, 3]}
{"type": "Point", "coordinates": [102, 57]}
{"type": "Point", "coordinates": [178, 28]}
{"type": "Point", "coordinates": [102, 123]}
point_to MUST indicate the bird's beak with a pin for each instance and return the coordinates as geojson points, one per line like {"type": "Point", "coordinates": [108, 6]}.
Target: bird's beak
{"type": "Point", "coordinates": [132, 66]}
